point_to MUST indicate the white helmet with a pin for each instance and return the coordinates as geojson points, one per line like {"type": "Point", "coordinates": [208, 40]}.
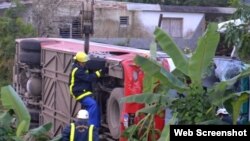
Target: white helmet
{"type": "Point", "coordinates": [221, 111]}
{"type": "Point", "coordinates": [83, 114]}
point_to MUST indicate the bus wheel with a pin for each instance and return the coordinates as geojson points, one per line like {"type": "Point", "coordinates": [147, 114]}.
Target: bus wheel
{"type": "Point", "coordinates": [30, 58]}
{"type": "Point", "coordinates": [114, 109]}
{"type": "Point", "coordinates": [30, 45]}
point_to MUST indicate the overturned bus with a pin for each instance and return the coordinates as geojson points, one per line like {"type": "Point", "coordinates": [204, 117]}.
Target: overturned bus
{"type": "Point", "coordinates": [41, 74]}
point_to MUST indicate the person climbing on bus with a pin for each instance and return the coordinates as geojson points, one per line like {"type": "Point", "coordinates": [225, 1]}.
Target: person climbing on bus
{"type": "Point", "coordinates": [80, 130]}
{"type": "Point", "coordinates": [80, 86]}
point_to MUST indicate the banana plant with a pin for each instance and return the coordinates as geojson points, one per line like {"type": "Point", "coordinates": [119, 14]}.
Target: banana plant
{"type": "Point", "coordinates": [40, 134]}
{"type": "Point", "coordinates": [12, 101]}
{"type": "Point", "coordinates": [196, 104]}
{"type": "Point", "coordinates": [15, 120]}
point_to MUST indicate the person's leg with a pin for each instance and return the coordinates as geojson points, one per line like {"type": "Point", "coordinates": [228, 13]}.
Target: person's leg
{"type": "Point", "coordinates": [94, 113]}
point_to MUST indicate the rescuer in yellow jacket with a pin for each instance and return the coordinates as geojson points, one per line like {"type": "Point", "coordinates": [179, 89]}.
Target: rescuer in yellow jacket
{"type": "Point", "coordinates": [80, 85]}
{"type": "Point", "coordinates": [80, 130]}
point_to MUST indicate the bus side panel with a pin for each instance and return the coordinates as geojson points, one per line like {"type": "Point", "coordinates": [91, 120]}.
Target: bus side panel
{"type": "Point", "coordinates": [57, 105]}
{"type": "Point", "coordinates": [133, 84]}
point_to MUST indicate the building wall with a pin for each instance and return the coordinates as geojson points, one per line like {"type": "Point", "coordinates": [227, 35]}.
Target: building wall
{"type": "Point", "coordinates": [107, 24]}
{"type": "Point", "coordinates": [191, 41]}
{"type": "Point", "coordinates": [141, 23]}
{"type": "Point", "coordinates": [107, 28]}
{"type": "Point", "coordinates": [139, 32]}
{"type": "Point", "coordinates": [190, 20]}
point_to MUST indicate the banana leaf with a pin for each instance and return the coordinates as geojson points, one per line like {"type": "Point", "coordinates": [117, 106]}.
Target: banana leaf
{"type": "Point", "coordinates": [6, 121]}
{"type": "Point", "coordinates": [165, 77]}
{"type": "Point", "coordinates": [204, 53]}
{"type": "Point", "coordinates": [243, 74]}
{"type": "Point", "coordinates": [40, 133]}
{"type": "Point", "coordinates": [149, 83]}
{"type": "Point", "coordinates": [152, 109]}
{"type": "Point", "coordinates": [11, 100]}
{"type": "Point", "coordinates": [148, 65]}
{"type": "Point", "coordinates": [146, 98]}
{"type": "Point", "coordinates": [169, 47]}
{"type": "Point", "coordinates": [41, 130]}
{"type": "Point", "coordinates": [217, 92]}
{"type": "Point", "coordinates": [170, 80]}
{"type": "Point", "coordinates": [180, 75]}
{"type": "Point", "coordinates": [237, 102]}
{"type": "Point", "coordinates": [129, 132]}
{"type": "Point", "coordinates": [153, 50]}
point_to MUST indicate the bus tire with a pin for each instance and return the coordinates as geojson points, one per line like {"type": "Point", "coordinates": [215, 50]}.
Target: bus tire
{"type": "Point", "coordinates": [30, 58]}
{"type": "Point", "coordinates": [30, 45]}
{"type": "Point", "coordinates": [114, 109]}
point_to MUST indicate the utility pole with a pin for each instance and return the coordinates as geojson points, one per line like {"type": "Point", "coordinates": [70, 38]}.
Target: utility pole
{"type": "Point", "coordinates": [87, 18]}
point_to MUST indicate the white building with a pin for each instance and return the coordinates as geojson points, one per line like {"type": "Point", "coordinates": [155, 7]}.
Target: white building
{"type": "Point", "coordinates": [134, 23]}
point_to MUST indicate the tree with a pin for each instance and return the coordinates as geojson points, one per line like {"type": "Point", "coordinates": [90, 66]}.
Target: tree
{"type": "Point", "coordinates": [11, 27]}
{"type": "Point", "coordinates": [238, 35]}
{"type": "Point", "coordinates": [195, 103]}
{"type": "Point", "coordinates": [44, 15]}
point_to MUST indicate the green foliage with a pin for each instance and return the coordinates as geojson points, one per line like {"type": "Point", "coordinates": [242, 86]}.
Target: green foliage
{"type": "Point", "coordinates": [195, 104]}
{"type": "Point", "coordinates": [203, 55]}
{"type": "Point", "coordinates": [11, 100]}
{"type": "Point", "coordinates": [39, 133]}
{"type": "Point", "coordinates": [11, 27]}
{"type": "Point", "coordinates": [148, 64]}
{"type": "Point", "coordinates": [198, 104]}
{"type": "Point", "coordinates": [234, 3]}
{"type": "Point", "coordinates": [193, 107]}
{"type": "Point", "coordinates": [6, 130]}
{"type": "Point", "coordinates": [237, 102]}
{"type": "Point", "coordinates": [15, 120]}
{"type": "Point", "coordinates": [238, 35]}
{"type": "Point", "coordinates": [174, 51]}
{"type": "Point", "coordinates": [147, 98]}
{"type": "Point", "coordinates": [143, 130]}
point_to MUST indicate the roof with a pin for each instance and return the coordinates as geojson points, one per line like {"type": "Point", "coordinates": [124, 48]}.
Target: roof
{"type": "Point", "coordinates": [165, 8]}
{"type": "Point", "coordinates": [143, 7]}
{"type": "Point", "coordinates": [110, 4]}
{"type": "Point", "coordinates": [198, 9]}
